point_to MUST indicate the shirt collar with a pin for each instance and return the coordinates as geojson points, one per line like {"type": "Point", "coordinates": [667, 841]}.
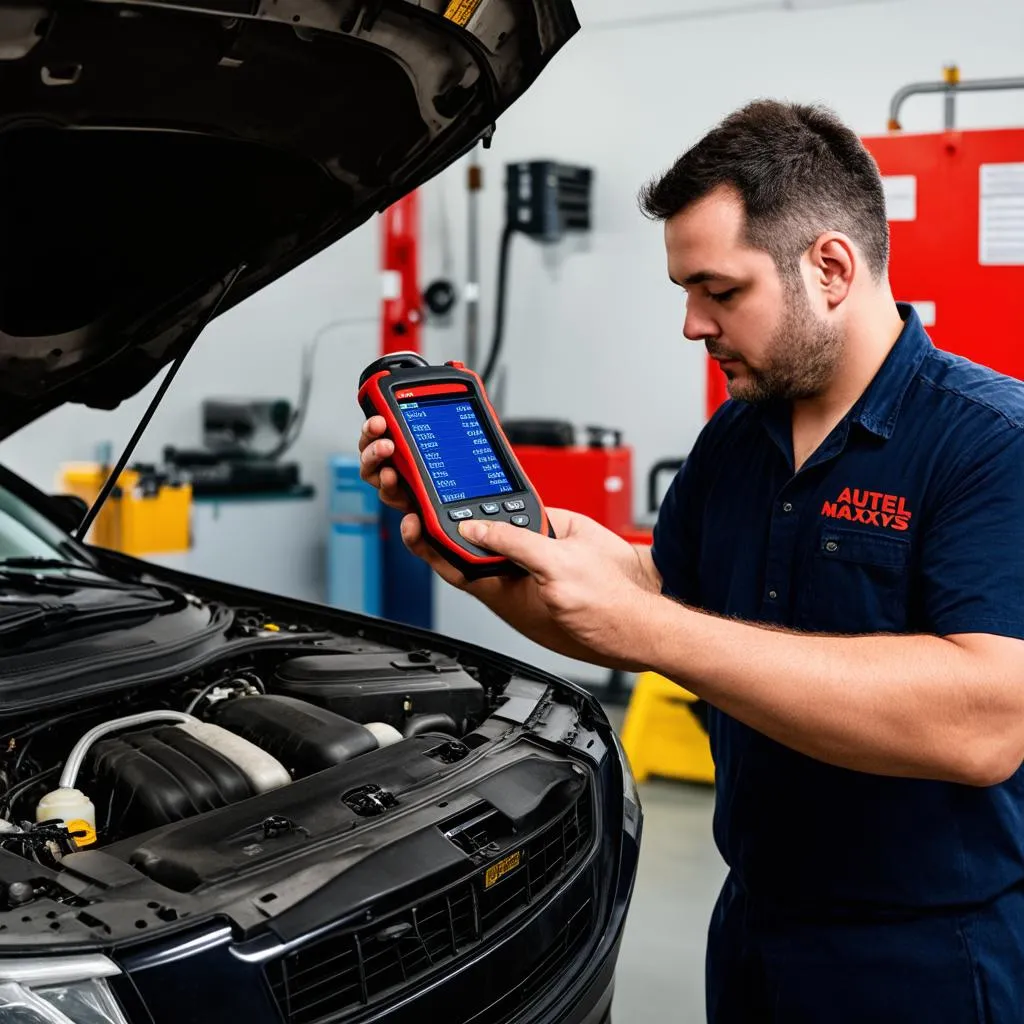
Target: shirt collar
{"type": "Point", "coordinates": [878, 408]}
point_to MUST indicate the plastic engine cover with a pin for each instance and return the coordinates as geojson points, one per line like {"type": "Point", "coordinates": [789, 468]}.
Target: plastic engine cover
{"type": "Point", "coordinates": [153, 777]}
{"type": "Point", "coordinates": [303, 737]}
{"type": "Point", "coordinates": [385, 687]}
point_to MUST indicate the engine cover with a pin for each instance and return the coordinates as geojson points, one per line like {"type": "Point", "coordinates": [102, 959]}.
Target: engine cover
{"type": "Point", "coordinates": [146, 779]}
{"type": "Point", "coordinates": [303, 737]}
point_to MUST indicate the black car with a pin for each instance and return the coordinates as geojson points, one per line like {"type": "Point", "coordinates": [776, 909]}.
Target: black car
{"type": "Point", "coordinates": [217, 804]}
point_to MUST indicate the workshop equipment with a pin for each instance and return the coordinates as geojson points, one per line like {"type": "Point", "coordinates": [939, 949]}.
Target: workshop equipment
{"type": "Point", "coordinates": [240, 427]}
{"type": "Point", "coordinates": [148, 511]}
{"type": "Point", "coordinates": [956, 219]}
{"type": "Point", "coordinates": [589, 471]}
{"type": "Point", "coordinates": [544, 200]}
{"type": "Point", "coordinates": [245, 439]}
{"type": "Point", "coordinates": [452, 455]}
{"type": "Point", "coordinates": [213, 476]}
{"type": "Point", "coordinates": [665, 732]}
{"type": "Point", "coordinates": [354, 548]}
{"type": "Point", "coordinates": [402, 316]}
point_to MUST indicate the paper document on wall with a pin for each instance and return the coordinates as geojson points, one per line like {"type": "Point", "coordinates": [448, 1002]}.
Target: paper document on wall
{"type": "Point", "coordinates": [1001, 224]}
{"type": "Point", "coordinates": [900, 196]}
{"type": "Point", "coordinates": [926, 311]}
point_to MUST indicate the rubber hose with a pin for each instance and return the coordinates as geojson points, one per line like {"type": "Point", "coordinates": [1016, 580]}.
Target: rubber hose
{"type": "Point", "coordinates": [81, 748]}
{"type": "Point", "coordinates": [499, 309]}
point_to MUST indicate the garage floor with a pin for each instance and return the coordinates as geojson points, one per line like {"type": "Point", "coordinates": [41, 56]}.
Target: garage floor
{"type": "Point", "coordinates": [661, 965]}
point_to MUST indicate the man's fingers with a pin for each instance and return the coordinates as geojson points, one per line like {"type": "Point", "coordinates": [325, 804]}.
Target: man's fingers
{"type": "Point", "coordinates": [524, 547]}
{"type": "Point", "coordinates": [374, 427]}
{"type": "Point", "coordinates": [375, 453]}
{"type": "Point", "coordinates": [392, 493]}
{"type": "Point", "coordinates": [561, 520]}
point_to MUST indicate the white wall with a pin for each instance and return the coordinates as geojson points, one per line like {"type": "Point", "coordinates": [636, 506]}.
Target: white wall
{"type": "Point", "coordinates": [641, 82]}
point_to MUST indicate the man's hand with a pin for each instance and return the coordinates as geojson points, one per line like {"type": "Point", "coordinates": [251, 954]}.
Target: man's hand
{"type": "Point", "coordinates": [529, 603]}
{"type": "Point", "coordinates": [374, 451]}
{"type": "Point", "coordinates": [594, 585]}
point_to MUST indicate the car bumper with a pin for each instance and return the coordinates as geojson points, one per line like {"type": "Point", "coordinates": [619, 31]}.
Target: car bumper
{"type": "Point", "coordinates": [556, 967]}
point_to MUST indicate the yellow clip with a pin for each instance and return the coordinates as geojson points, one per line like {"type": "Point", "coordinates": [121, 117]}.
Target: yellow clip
{"type": "Point", "coordinates": [272, 627]}
{"type": "Point", "coordinates": [951, 74]}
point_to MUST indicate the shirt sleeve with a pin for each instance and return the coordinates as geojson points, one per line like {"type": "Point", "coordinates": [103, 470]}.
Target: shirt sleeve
{"type": "Point", "coordinates": [676, 545]}
{"type": "Point", "coordinates": [973, 548]}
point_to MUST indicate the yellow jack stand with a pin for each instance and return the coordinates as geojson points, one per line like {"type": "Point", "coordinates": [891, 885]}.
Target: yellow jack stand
{"type": "Point", "coordinates": [662, 736]}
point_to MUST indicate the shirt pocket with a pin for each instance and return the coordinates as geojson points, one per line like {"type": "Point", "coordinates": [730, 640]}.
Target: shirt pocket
{"type": "Point", "coordinates": [859, 582]}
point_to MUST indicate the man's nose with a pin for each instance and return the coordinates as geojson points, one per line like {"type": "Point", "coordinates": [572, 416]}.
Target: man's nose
{"type": "Point", "coordinates": [697, 326]}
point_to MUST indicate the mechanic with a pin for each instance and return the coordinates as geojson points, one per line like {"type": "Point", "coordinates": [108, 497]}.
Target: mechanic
{"type": "Point", "coordinates": [838, 570]}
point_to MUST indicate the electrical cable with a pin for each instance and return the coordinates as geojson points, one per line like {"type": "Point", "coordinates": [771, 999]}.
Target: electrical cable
{"type": "Point", "coordinates": [7, 801]}
{"type": "Point", "coordinates": [499, 308]}
{"type": "Point", "coordinates": [298, 419]}
{"type": "Point", "coordinates": [243, 677]}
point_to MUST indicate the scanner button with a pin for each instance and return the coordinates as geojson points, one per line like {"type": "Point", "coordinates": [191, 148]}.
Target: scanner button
{"type": "Point", "coordinates": [517, 505]}
{"type": "Point", "coordinates": [521, 520]}
{"type": "Point", "coordinates": [490, 508]}
{"type": "Point", "coordinates": [460, 513]}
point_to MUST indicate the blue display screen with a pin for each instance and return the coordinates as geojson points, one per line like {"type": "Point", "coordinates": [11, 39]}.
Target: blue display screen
{"type": "Point", "coordinates": [458, 454]}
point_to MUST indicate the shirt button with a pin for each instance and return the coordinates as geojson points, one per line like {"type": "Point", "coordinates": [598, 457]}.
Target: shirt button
{"type": "Point", "coordinates": [773, 594]}
{"type": "Point", "coordinates": [788, 507]}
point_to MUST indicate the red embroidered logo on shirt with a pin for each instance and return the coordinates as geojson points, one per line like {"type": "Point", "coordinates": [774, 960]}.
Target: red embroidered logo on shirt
{"type": "Point", "coordinates": [871, 507]}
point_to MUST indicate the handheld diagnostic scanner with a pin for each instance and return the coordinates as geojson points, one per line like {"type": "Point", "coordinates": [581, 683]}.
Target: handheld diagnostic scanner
{"type": "Point", "coordinates": [452, 456]}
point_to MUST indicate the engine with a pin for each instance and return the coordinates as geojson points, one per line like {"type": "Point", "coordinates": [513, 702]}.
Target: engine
{"type": "Point", "coordinates": [104, 773]}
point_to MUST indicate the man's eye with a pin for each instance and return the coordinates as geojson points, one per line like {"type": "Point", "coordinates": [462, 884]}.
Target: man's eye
{"type": "Point", "coordinates": [723, 296]}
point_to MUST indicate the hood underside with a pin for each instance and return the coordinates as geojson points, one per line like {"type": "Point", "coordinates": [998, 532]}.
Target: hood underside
{"type": "Point", "coordinates": [147, 150]}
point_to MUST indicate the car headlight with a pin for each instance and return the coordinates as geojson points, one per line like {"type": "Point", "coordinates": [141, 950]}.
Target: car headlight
{"type": "Point", "coordinates": [631, 807]}
{"type": "Point", "coordinates": [61, 990]}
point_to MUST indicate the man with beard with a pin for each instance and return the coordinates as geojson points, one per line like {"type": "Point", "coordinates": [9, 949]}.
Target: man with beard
{"type": "Point", "coordinates": [838, 570]}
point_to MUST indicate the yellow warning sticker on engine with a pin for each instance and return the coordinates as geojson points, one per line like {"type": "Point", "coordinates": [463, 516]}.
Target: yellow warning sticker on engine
{"type": "Point", "coordinates": [78, 825]}
{"type": "Point", "coordinates": [496, 872]}
{"type": "Point", "coordinates": [460, 11]}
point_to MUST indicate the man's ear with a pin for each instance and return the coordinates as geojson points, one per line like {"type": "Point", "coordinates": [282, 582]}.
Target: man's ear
{"type": "Point", "coordinates": [834, 262]}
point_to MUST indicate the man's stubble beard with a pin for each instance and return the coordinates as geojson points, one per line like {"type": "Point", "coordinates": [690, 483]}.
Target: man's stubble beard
{"type": "Point", "coordinates": [800, 361]}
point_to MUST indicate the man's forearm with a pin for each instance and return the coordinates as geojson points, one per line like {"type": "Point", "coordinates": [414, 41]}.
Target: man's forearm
{"type": "Point", "coordinates": [533, 620]}
{"type": "Point", "coordinates": [917, 706]}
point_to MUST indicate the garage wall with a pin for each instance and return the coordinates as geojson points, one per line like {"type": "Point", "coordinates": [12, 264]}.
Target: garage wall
{"type": "Point", "coordinates": [643, 80]}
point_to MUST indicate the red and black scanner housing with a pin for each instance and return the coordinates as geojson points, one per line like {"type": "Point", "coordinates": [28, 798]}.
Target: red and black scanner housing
{"type": "Point", "coordinates": [404, 377]}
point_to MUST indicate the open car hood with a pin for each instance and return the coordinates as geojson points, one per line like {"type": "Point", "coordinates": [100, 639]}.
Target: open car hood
{"type": "Point", "coordinates": [148, 149]}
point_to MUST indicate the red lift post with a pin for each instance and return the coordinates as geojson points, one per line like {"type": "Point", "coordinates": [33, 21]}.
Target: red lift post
{"type": "Point", "coordinates": [401, 316]}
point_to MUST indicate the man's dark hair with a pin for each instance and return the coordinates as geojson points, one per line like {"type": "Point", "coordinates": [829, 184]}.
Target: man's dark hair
{"type": "Point", "coordinates": [799, 170]}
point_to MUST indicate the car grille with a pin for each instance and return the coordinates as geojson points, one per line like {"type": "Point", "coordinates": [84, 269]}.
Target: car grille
{"type": "Point", "coordinates": [356, 968]}
{"type": "Point", "coordinates": [543, 969]}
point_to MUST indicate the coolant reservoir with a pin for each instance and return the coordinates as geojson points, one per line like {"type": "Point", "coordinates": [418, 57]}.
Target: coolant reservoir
{"type": "Point", "coordinates": [72, 807]}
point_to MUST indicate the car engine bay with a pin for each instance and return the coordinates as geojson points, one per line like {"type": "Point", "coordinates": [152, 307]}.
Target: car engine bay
{"type": "Point", "coordinates": [108, 771]}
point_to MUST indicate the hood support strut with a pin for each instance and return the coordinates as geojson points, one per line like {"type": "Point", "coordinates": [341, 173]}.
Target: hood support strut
{"type": "Point", "coordinates": [115, 473]}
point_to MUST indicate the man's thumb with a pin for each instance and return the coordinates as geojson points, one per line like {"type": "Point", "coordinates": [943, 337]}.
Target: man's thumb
{"type": "Point", "coordinates": [521, 546]}
{"type": "Point", "coordinates": [478, 533]}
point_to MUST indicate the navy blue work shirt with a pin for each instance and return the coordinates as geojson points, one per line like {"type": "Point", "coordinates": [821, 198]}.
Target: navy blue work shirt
{"type": "Point", "coordinates": [909, 518]}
